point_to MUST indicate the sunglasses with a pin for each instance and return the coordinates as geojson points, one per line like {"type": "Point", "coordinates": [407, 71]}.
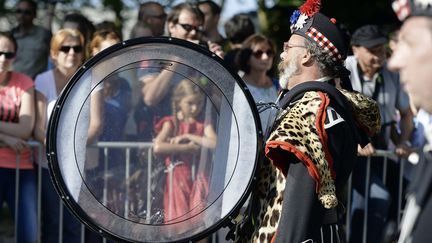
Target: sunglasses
{"type": "Point", "coordinates": [8, 55]}
{"type": "Point", "coordinates": [258, 54]}
{"type": "Point", "coordinates": [24, 11]}
{"type": "Point", "coordinates": [189, 27]}
{"type": "Point", "coordinates": [76, 49]}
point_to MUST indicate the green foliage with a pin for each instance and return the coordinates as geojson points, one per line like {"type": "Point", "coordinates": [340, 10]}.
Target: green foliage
{"type": "Point", "coordinates": [290, 3]}
{"type": "Point", "coordinates": [115, 5]}
{"type": "Point", "coordinates": [274, 22]}
{"type": "Point", "coordinates": [3, 10]}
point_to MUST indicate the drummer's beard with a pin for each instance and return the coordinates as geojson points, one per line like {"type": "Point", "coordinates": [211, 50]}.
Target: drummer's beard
{"type": "Point", "coordinates": [287, 72]}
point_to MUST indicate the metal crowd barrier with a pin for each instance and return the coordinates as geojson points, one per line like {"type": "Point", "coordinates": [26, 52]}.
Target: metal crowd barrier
{"type": "Point", "coordinates": [39, 148]}
{"type": "Point", "coordinates": [400, 193]}
{"type": "Point", "coordinates": [128, 146]}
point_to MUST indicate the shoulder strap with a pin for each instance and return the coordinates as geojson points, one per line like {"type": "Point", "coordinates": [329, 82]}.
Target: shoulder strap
{"type": "Point", "coordinates": [298, 90]}
{"type": "Point", "coordinates": [342, 105]}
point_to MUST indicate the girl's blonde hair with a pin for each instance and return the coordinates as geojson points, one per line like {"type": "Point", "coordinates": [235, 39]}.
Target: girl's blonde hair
{"type": "Point", "coordinates": [60, 36]}
{"type": "Point", "coordinates": [182, 90]}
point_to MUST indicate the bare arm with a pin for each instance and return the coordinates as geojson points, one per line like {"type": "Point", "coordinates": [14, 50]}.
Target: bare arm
{"type": "Point", "coordinates": [406, 124]}
{"type": "Point", "coordinates": [96, 116]}
{"type": "Point", "coordinates": [156, 87]}
{"type": "Point", "coordinates": [163, 145]}
{"type": "Point", "coordinates": [24, 128]}
{"type": "Point", "coordinates": [39, 132]}
{"type": "Point", "coordinates": [403, 148]}
{"type": "Point", "coordinates": [208, 140]}
{"type": "Point", "coordinates": [17, 144]}
{"type": "Point", "coordinates": [367, 150]}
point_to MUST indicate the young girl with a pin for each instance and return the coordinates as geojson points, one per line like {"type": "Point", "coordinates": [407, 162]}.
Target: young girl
{"type": "Point", "coordinates": [183, 138]}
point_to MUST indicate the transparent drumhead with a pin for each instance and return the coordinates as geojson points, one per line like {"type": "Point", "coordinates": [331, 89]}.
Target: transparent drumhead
{"type": "Point", "coordinates": [154, 140]}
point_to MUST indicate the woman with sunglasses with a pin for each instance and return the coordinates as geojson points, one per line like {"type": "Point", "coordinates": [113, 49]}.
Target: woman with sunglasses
{"type": "Point", "coordinates": [256, 61]}
{"type": "Point", "coordinates": [67, 53]}
{"type": "Point", "coordinates": [17, 118]}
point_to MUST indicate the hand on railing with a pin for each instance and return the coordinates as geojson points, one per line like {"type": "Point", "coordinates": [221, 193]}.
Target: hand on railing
{"type": "Point", "coordinates": [14, 143]}
{"type": "Point", "coordinates": [366, 150]}
{"type": "Point", "coordinates": [403, 150]}
{"type": "Point", "coordinates": [370, 150]}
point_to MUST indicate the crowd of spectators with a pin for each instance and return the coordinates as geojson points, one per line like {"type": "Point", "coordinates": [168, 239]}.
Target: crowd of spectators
{"type": "Point", "coordinates": [35, 65]}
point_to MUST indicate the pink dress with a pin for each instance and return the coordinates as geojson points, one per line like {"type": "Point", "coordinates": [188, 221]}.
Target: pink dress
{"type": "Point", "coordinates": [184, 197]}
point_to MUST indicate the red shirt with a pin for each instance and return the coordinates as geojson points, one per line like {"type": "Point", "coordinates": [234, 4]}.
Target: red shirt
{"type": "Point", "coordinates": [10, 105]}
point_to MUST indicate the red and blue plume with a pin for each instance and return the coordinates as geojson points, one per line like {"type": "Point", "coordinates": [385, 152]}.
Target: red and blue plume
{"type": "Point", "coordinates": [310, 7]}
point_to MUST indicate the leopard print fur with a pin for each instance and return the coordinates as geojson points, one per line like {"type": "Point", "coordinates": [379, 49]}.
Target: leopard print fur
{"type": "Point", "coordinates": [365, 112]}
{"type": "Point", "coordinates": [268, 195]}
{"type": "Point", "coordinates": [270, 214]}
{"type": "Point", "coordinates": [267, 202]}
{"type": "Point", "coordinates": [298, 128]}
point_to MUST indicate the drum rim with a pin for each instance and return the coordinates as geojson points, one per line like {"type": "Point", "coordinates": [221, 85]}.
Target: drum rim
{"type": "Point", "coordinates": [51, 148]}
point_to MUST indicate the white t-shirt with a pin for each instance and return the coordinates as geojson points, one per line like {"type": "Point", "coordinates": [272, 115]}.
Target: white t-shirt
{"type": "Point", "coordinates": [45, 84]}
{"type": "Point", "coordinates": [264, 95]}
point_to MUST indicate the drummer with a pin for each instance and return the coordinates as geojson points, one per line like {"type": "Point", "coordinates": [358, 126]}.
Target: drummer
{"type": "Point", "coordinates": [309, 143]}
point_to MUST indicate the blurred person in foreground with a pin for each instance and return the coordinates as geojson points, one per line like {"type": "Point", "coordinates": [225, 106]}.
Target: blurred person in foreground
{"type": "Point", "coordinates": [371, 77]}
{"type": "Point", "coordinates": [300, 194]}
{"type": "Point", "coordinates": [33, 40]}
{"type": "Point", "coordinates": [67, 53]}
{"type": "Point", "coordinates": [17, 117]}
{"type": "Point", "coordinates": [412, 59]}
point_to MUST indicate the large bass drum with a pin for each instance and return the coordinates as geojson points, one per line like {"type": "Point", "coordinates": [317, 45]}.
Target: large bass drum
{"type": "Point", "coordinates": [103, 130]}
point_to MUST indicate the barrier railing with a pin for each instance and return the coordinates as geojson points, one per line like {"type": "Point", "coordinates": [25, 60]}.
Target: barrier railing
{"type": "Point", "coordinates": [385, 155]}
{"type": "Point", "coordinates": [129, 146]}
